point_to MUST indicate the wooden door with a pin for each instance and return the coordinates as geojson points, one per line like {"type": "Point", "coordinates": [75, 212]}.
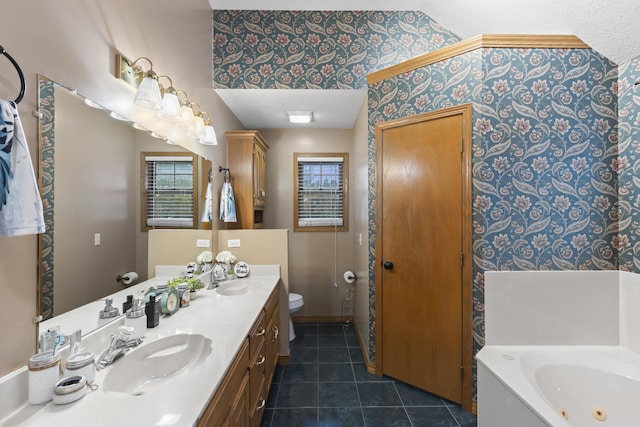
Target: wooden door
{"type": "Point", "coordinates": [420, 207]}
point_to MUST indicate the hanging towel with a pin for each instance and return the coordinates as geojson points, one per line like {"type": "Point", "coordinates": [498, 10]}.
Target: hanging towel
{"type": "Point", "coordinates": [20, 202]}
{"type": "Point", "coordinates": [208, 205]}
{"type": "Point", "coordinates": [227, 204]}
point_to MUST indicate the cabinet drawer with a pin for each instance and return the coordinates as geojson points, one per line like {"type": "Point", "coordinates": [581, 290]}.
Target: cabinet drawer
{"type": "Point", "coordinates": [257, 372]}
{"type": "Point", "coordinates": [257, 334]}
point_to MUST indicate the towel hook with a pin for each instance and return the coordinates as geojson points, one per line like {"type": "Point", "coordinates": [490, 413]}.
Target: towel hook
{"type": "Point", "coordinates": [227, 172]}
{"type": "Point", "coordinates": [23, 85]}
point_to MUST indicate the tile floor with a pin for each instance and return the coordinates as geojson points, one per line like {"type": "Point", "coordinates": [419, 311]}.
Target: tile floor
{"type": "Point", "coordinates": [327, 385]}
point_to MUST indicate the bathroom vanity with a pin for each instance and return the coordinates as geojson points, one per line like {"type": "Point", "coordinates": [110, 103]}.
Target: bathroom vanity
{"type": "Point", "coordinates": [225, 383]}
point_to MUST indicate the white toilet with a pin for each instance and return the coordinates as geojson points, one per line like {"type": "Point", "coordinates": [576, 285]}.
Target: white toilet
{"type": "Point", "coordinates": [295, 304]}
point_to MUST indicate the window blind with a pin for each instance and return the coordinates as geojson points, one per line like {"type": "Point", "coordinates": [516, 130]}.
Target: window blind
{"type": "Point", "coordinates": [169, 191]}
{"type": "Point", "coordinates": [320, 191]}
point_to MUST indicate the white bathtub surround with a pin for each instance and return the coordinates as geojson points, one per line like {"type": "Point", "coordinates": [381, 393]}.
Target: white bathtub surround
{"type": "Point", "coordinates": [179, 402]}
{"type": "Point", "coordinates": [551, 308]}
{"type": "Point", "coordinates": [560, 341]}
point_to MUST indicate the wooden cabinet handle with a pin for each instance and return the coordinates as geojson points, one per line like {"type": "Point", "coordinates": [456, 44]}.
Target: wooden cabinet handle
{"type": "Point", "coordinates": [261, 332]}
{"type": "Point", "coordinates": [276, 331]}
{"type": "Point", "coordinates": [261, 405]}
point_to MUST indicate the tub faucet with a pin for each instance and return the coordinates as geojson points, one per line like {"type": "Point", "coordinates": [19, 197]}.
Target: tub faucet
{"type": "Point", "coordinates": [119, 346]}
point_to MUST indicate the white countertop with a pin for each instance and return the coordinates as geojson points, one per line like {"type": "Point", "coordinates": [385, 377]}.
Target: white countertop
{"type": "Point", "coordinates": [226, 320]}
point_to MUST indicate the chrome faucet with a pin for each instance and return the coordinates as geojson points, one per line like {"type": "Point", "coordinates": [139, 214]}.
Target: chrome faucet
{"type": "Point", "coordinates": [119, 346]}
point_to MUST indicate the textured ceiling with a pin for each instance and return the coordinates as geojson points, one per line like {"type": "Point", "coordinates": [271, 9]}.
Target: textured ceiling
{"type": "Point", "coordinates": [609, 27]}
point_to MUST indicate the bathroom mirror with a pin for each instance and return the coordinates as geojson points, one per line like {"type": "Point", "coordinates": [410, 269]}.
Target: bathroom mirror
{"type": "Point", "coordinates": [90, 179]}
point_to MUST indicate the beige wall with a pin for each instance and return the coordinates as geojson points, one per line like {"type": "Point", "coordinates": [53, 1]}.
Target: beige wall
{"type": "Point", "coordinates": [359, 200]}
{"type": "Point", "coordinates": [311, 254]}
{"type": "Point", "coordinates": [176, 247]}
{"type": "Point", "coordinates": [74, 42]}
{"type": "Point", "coordinates": [265, 247]}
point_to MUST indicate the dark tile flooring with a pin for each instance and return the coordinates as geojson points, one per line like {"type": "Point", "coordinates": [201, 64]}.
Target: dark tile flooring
{"type": "Point", "coordinates": [327, 385]}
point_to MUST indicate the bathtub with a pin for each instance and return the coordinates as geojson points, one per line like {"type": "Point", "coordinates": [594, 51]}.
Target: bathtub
{"type": "Point", "coordinates": [577, 386]}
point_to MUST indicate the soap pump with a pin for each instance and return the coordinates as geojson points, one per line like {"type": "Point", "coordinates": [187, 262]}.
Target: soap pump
{"type": "Point", "coordinates": [136, 318]}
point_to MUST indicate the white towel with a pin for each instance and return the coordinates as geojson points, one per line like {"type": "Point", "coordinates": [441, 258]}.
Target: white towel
{"type": "Point", "coordinates": [20, 202]}
{"type": "Point", "coordinates": [227, 204]}
{"type": "Point", "coordinates": [207, 211]}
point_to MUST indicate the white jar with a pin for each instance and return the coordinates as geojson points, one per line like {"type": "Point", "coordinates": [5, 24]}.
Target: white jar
{"type": "Point", "coordinates": [69, 389]}
{"type": "Point", "coordinates": [44, 371]}
{"type": "Point", "coordinates": [81, 364]}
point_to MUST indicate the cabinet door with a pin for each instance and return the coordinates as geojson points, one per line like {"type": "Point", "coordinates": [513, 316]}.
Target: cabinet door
{"type": "Point", "coordinates": [239, 415]}
{"type": "Point", "coordinates": [273, 330]}
{"type": "Point", "coordinates": [259, 176]}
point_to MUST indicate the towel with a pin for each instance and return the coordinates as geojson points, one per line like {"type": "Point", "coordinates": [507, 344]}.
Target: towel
{"type": "Point", "coordinates": [20, 202]}
{"type": "Point", "coordinates": [227, 204]}
{"type": "Point", "coordinates": [207, 209]}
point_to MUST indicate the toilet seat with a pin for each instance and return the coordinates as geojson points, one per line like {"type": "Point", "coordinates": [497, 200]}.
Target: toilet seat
{"type": "Point", "coordinates": [295, 301]}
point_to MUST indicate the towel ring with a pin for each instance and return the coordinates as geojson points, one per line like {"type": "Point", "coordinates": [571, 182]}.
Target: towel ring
{"type": "Point", "coordinates": [23, 85]}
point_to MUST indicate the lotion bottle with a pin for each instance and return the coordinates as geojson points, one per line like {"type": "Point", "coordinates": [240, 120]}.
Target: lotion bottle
{"type": "Point", "coordinates": [136, 318]}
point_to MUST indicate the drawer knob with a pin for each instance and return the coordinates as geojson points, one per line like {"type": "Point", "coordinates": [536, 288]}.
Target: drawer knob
{"type": "Point", "coordinates": [261, 361]}
{"type": "Point", "coordinates": [261, 332]}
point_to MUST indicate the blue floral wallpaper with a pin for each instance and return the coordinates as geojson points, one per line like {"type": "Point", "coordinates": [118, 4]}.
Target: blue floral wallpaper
{"type": "Point", "coordinates": [316, 49]}
{"type": "Point", "coordinates": [545, 157]}
{"type": "Point", "coordinates": [628, 165]}
{"type": "Point", "coordinates": [46, 107]}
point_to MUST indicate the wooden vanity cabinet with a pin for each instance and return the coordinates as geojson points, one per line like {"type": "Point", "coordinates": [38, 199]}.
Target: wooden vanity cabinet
{"type": "Point", "coordinates": [229, 407]}
{"type": "Point", "coordinates": [247, 163]}
{"type": "Point", "coordinates": [273, 332]}
{"type": "Point", "coordinates": [242, 395]}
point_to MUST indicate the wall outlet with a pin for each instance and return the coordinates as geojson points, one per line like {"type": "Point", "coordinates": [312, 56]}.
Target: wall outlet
{"type": "Point", "coordinates": [96, 239]}
{"type": "Point", "coordinates": [203, 243]}
{"type": "Point", "coordinates": [233, 243]}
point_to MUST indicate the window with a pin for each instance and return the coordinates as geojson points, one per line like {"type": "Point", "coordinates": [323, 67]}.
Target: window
{"type": "Point", "coordinates": [169, 190]}
{"type": "Point", "coordinates": [321, 189]}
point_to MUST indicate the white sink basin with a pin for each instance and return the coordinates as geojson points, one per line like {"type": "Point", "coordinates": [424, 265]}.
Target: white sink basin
{"type": "Point", "coordinates": [233, 287]}
{"type": "Point", "coordinates": [143, 368]}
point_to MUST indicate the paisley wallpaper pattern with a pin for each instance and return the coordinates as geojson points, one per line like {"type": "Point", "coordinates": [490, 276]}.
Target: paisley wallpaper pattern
{"type": "Point", "coordinates": [629, 147]}
{"type": "Point", "coordinates": [316, 49]}
{"type": "Point", "coordinates": [545, 157]}
{"type": "Point", "coordinates": [546, 170]}
{"type": "Point", "coordinates": [47, 109]}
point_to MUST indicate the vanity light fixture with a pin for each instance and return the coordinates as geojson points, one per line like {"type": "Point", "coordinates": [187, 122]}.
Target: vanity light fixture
{"type": "Point", "coordinates": [196, 130]}
{"type": "Point", "coordinates": [118, 116]}
{"type": "Point", "coordinates": [150, 93]}
{"type": "Point", "coordinates": [209, 137]}
{"type": "Point", "coordinates": [93, 104]}
{"type": "Point", "coordinates": [140, 127]}
{"type": "Point", "coordinates": [170, 102]}
{"type": "Point", "coordinates": [157, 135]}
{"type": "Point", "coordinates": [300, 116]}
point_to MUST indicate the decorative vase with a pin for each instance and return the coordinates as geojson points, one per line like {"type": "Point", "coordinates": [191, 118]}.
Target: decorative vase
{"type": "Point", "coordinates": [206, 266]}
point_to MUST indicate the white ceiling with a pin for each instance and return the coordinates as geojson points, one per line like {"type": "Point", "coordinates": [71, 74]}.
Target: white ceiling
{"type": "Point", "coordinates": [610, 27]}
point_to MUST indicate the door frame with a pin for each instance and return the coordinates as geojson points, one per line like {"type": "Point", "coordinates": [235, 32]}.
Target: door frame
{"type": "Point", "coordinates": [467, 266]}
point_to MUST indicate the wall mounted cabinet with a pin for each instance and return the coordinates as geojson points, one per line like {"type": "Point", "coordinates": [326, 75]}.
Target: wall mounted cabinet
{"type": "Point", "coordinates": [247, 162]}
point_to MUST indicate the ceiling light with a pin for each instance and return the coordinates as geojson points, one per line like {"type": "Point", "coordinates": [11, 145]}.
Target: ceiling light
{"type": "Point", "coordinates": [300, 116]}
{"type": "Point", "coordinates": [140, 127]}
{"type": "Point", "coordinates": [157, 135]}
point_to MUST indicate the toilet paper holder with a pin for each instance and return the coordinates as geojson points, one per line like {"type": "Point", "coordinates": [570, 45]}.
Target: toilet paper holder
{"type": "Point", "coordinates": [350, 276]}
{"type": "Point", "coordinates": [127, 278]}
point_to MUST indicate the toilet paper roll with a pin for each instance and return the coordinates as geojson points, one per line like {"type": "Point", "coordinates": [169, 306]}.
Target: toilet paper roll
{"type": "Point", "coordinates": [349, 276]}
{"type": "Point", "coordinates": [129, 278]}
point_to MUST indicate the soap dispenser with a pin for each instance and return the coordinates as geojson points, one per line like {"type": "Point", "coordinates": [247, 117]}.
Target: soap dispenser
{"type": "Point", "coordinates": [136, 318]}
